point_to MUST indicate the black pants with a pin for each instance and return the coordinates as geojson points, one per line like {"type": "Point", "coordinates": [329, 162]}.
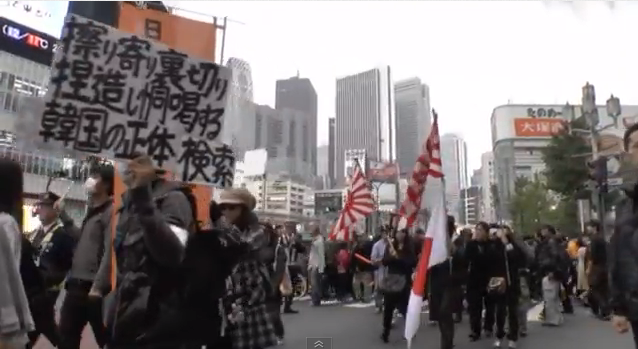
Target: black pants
{"type": "Point", "coordinates": [392, 301]}
{"type": "Point", "coordinates": [79, 309]}
{"type": "Point", "coordinates": [274, 308]}
{"type": "Point", "coordinates": [43, 313]}
{"type": "Point", "coordinates": [634, 329]}
{"type": "Point", "coordinates": [568, 307]}
{"type": "Point", "coordinates": [445, 316]}
{"type": "Point", "coordinates": [478, 299]}
{"type": "Point", "coordinates": [507, 308]}
{"type": "Point", "coordinates": [344, 286]}
{"type": "Point", "coordinates": [294, 271]}
{"type": "Point", "coordinates": [598, 299]}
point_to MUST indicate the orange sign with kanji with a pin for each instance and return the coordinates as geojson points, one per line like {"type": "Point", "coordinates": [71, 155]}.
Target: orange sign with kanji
{"type": "Point", "coordinates": [538, 127]}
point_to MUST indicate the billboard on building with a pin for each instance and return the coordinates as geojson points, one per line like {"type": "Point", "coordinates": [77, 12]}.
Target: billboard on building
{"type": "Point", "coordinates": [26, 42]}
{"type": "Point", "coordinates": [351, 157]}
{"type": "Point", "coordinates": [326, 202]}
{"type": "Point", "coordinates": [194, 37]}
{"type": "Point", "coordinates": [538, 127]}
{"type": "Point", "coordinates": [43, 16]}
{"type": "Point", "coordinates": [384, 172]}
{"type": "Point", "coordinates": [511, 122]}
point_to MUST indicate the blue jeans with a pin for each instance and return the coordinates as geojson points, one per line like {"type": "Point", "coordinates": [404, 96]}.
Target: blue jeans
{"type": "Point", "coordinates": [315, 282]}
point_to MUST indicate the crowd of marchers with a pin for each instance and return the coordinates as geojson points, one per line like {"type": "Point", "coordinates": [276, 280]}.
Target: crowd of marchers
{"type": "Point", "coordinates": [493, 275]}
{"type": "Point", "coordinates": [146, 275]}
{"type": "Point", "coordinates": [157, 279]}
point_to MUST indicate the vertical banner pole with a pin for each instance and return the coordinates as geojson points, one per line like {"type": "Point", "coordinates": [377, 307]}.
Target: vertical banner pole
{"type": "Point", "coordinates": [225, 27]}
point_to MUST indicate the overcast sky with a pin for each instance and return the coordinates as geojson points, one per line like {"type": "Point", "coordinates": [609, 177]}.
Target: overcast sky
{"type": "Point", "coordinates": [474, 55]}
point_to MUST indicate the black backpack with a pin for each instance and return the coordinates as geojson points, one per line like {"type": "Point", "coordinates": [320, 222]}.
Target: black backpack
{"type": "Point", "coordinates": [199, 283]}
{"type": "Point", "coordinates": [210, 256]}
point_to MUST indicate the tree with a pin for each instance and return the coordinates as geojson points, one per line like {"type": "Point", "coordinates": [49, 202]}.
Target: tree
{"type": "Point", "coordinates": [531, 205]}
{"type": "Point", "coordinates": [566, 161]}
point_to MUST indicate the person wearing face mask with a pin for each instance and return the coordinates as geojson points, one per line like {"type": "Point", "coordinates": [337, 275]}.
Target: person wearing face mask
{"type": "Point", "coordinates": [93, 248]}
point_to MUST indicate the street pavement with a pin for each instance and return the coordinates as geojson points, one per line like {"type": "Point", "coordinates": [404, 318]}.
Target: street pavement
{"type": "Point", "coordinates": [357, 326]}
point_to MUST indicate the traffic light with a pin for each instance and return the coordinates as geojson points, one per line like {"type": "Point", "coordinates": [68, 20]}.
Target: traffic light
{"type": "Point", "coordinates": [598, 173]}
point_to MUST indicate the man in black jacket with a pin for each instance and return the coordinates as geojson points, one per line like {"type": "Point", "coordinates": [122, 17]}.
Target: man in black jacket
{"type": "Point", "coordinates": [478, 254]}
{"type": "Point", "coordinates": [597, 271]}
{"type": "Point", "coordinates": [446, 282]}
{"type": "Point", "coordinates": [53, 248]}
{"type": "Point", "coordinates": [623, 260]}
{"type": "Point", "coordinates": [154, 225]}
{"type": "Point", "coordinates": [93, 248]}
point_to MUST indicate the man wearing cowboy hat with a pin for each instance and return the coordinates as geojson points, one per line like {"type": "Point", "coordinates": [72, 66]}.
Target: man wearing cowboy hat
{"type": "Point", "coordinates": [153, 226]}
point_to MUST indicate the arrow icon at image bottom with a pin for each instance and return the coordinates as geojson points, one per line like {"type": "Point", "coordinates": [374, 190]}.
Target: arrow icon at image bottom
{"type": "Point", "coordinates": [318, 344]}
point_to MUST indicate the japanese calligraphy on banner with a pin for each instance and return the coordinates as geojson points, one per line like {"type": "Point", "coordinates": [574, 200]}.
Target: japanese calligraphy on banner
{"type": "Point", "coordinates": [537, 127]}
{"type": "Point", "coordinates": [116, 94]}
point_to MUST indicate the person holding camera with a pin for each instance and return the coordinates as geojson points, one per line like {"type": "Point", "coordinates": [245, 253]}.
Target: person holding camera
{"type": "Point", "coordinates": [504, 285]}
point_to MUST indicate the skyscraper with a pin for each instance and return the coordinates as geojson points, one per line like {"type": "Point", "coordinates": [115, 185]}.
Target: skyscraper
{"type": "Point", "coordinates": [365, 117]}
{"type": "Point", "coordinates": [298, 94]}
{"type": "Point", "coordinates": [281, 133]}
{"type": "Point", "coordinates": [240, 110]}
{"type": "Point", "coordinates": [331, 150]}
{"type": "Point", "coordinates": [413, 121]}
{"type": "Point", "coordinates": [454, 158]}
{"type": "Point", "coordinates": [488, 184]}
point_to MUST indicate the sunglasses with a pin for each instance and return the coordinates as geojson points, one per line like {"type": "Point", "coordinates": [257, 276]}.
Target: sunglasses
{"type": "Point", "coordinates": [225, 207]}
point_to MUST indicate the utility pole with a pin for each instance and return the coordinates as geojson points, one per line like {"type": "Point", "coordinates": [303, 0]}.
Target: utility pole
{"type": "Point", "coordinates": [598, 165]}
{"type": "Point", "coordinates": [590, 111]}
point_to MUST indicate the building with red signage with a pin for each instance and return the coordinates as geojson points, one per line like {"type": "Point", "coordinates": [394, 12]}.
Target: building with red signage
{"type": "Point", "coordinates": [520, 132]}
{"type": "Point", "coordinates": [25, 59]}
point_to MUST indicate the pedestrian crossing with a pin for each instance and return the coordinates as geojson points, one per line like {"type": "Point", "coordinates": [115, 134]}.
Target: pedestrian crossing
{"type": "Point", "coordinates": [532, 314]}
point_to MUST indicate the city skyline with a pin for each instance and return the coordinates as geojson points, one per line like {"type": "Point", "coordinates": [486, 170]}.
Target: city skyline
{"type": "Point", "coordinates": [467, 80]}
{"type": "Point", "coordinates": [364, 117]}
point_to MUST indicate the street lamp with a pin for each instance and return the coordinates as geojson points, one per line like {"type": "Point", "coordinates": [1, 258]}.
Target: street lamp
{"type": "Point", "coordinates": [613, 109]}
{"type": "Point", "coordinates": [568, 112]}
{"type": "Point", "coordinates": [589, 104]}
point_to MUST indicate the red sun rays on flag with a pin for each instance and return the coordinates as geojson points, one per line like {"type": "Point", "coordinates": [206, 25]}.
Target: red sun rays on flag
{"type": "Point", "coordinates": [359, 204]}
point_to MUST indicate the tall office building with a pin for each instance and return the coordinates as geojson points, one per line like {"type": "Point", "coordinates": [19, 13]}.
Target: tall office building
{"type": "Point", "coordinates": [240, 110]}
{"type": "Point", "coordinates": [281, 133]}
{"type": "Point", "coordinates": [413, 121]}
{"type": "Point", "coordinates": [488, 184]}
{"type": "Point", "coordinates": [332, 133]}
{"type": "Point", "coordinates": [365, 117]}
{"type": "Point", "coordinates": [475, 180]}
{"type": "Point", "coordinates": [298, 94]}
{"type": "Point", "coordinates": [454, 158]}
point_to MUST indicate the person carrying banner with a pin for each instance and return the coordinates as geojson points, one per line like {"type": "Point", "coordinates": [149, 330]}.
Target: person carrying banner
{"type": "Point", "coordinates": [153, 226]}
{"type": "Point", "coordinates": [93, 248]}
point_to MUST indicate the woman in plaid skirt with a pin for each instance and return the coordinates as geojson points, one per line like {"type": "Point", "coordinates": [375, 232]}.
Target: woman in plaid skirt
{"type": "Point", "coordinates": [250, 325]}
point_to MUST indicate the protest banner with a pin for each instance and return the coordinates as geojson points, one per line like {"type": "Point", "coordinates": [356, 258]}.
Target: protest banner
{"type": "Point", "coordinates": [115, 94]}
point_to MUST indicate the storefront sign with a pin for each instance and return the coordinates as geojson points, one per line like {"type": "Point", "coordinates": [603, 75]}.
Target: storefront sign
{"type": "Point", "coordinates": [537, 127]}
{"type": "Point", "coordinates": [543, 112]}
{"type": "Point", "coordinates": [27, 43]}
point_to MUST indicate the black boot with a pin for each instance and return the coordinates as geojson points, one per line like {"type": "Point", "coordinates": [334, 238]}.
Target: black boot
{"type": "Point", "coordinates": [385, 336]}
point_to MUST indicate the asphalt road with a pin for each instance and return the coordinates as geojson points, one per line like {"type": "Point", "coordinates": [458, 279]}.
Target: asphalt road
{"type": "Point", "coordinates": [357, 326]}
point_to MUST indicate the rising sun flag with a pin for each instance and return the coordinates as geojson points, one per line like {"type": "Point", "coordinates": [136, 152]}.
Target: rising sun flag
{"type": "Point", "coordinates": [434, 250]}
{"type": "Point", "coordinates": [359, 204]}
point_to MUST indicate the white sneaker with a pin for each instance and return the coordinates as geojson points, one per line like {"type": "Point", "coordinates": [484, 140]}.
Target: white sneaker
{"type": "Point", "coordinates": [280, 341]}
{"type": "Point", "coordinates": [498, 343]}
{"type": "Point", "coordinates": [511, 345]}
